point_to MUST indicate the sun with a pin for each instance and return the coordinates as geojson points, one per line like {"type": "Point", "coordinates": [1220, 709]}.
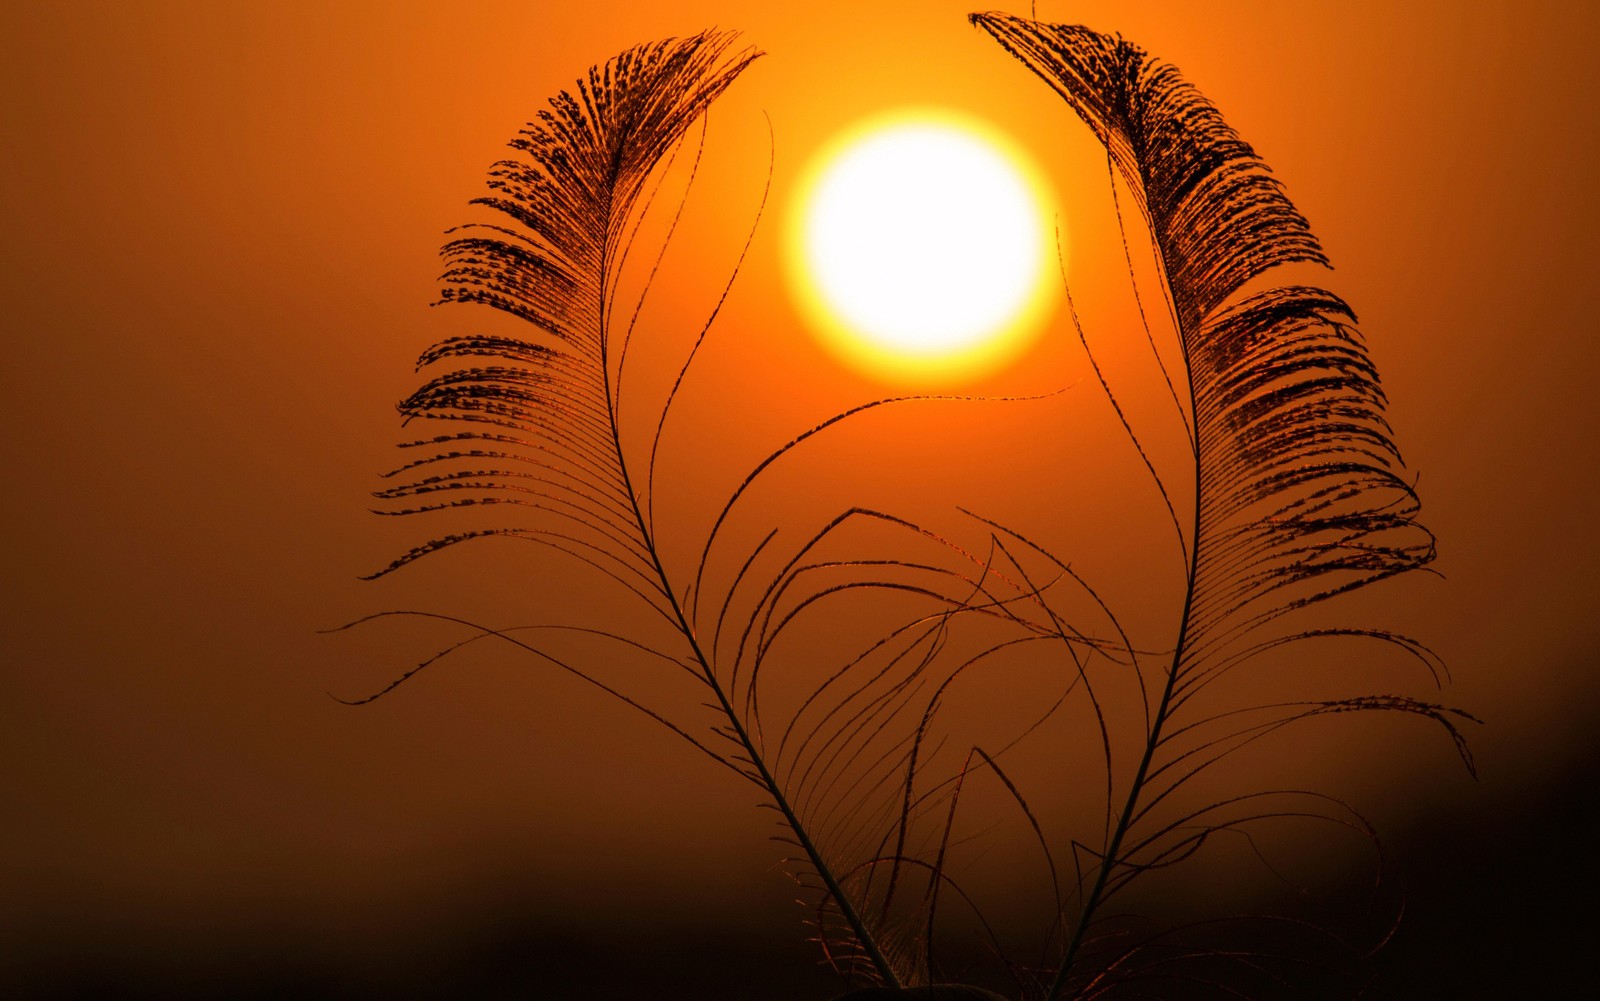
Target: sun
{"type": "Point", "coordinates": [921, 247]}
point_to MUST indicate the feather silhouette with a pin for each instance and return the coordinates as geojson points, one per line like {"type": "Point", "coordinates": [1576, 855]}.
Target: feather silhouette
{"type": "Point", "coordinates": [1296, 492]}
{"type": "Point", "coordinates": [545, 438]}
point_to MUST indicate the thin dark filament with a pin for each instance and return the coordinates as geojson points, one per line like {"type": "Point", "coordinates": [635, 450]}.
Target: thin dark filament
{"type": "Point", "coordinates": [806, 435]}
{"type": "Point", "coordinates": [1077, 326]}
{"type": "Point", "coordinates": [555, 477]}
{"type": "Point", "coordinates": [672, 394]}
{"type": "Point", "coordinates": [1138, 299]}
{"type": "Point", "coordinates": [1088, 686]}
{"type": "Point", "coordinates": [728, 596]}
{"type": "Point", "coordinates": [504, 635]}
{"type": "Point", "coordinates": [661, 252]}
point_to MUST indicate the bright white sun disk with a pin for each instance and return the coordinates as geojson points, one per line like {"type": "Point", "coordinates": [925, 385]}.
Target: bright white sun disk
{"type": "Point", "coordinates": [924, 237]}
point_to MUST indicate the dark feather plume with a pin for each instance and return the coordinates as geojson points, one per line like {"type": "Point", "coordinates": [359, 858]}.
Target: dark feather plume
{"type": "Point", "coordinates": [544, 440]}
{"type": "Point", "coordinates": [1299, 493]}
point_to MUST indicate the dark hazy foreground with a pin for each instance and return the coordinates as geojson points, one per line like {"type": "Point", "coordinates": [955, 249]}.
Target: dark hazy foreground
{"type": "Point", "coordinates": [1492, 883]}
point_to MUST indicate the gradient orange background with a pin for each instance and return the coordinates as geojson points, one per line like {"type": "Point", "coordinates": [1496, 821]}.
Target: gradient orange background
{"type": "Point", "coordinates": [221, 223]}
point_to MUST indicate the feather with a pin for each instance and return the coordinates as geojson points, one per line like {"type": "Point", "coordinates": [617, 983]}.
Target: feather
{"type": "Point", "coordinates": [543, 443]}
{"type": "Point", "coordinates": [1298, 491]}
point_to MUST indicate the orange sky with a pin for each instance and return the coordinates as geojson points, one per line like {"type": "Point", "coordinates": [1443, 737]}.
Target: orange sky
{"type": "Point", "coordinates": [221, 233]}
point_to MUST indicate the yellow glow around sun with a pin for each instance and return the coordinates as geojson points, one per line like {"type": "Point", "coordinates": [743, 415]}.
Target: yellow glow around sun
{"type": "Point", "coordinates": [921, 246]}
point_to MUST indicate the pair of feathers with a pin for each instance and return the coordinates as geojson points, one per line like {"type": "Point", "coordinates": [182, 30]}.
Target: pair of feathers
{"type": "Point", "coordinates": [1296, 494]}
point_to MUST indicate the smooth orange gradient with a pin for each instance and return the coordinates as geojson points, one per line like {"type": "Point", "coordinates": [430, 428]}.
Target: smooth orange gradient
{"type": "Point", "coordinates": [221, 225]}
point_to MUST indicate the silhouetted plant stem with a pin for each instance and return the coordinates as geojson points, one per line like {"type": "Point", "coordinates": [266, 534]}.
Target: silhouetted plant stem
{"type": "Point", "coordinates": [752, 754]}
{"type": "Point", "coordinates": [1092, 902]}
{"type": "Point", "coordinates": [769, 784]}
